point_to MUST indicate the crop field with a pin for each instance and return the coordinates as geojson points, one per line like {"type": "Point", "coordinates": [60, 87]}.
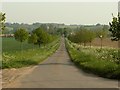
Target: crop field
{"type": "Point", "coordinates": [103, 62]}
{"type": "Point", "coordinates": [106, 42]}
{"type": "Point", "coordinates": [11, 45]}
{"type": "Point", "coordinates": [14, 57]}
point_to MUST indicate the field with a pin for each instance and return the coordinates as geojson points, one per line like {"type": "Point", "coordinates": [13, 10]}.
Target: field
{"type": "Point", "coordinates": [14, 57]}
{"type": "Point", "coordinates": [106, 42]}
{"type": "Point", "coordinates": [103, 62]}
{"type": "Point", "coordinates": [11, 45]}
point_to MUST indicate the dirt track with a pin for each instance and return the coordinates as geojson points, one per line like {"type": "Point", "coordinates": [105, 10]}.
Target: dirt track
{"type": "Point", "coordinates": [59, 72]}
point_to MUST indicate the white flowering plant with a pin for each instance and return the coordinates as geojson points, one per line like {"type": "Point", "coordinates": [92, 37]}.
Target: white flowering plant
{"type": "Point", "coordinates": [104, 62]}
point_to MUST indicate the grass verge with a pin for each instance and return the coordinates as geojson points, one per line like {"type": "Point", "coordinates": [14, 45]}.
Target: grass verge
{"type": "Point", "coordinates": [27, 57]}
{"type": "Point", "coordinates": [88, 60]}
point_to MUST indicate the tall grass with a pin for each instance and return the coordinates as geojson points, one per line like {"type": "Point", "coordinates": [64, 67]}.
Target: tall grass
{"type": "Point", "coordinates": [90, 60]}
{"type": "Point", "coordinates": [12, 57]}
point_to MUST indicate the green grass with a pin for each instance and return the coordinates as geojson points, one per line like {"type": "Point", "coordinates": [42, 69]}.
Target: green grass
{"type": "Point", "coordinates": [13, 57]}
{"type": "Point", "coordinates": [11, 45]}
{"type": "Point", "coordinates": [90, 60]}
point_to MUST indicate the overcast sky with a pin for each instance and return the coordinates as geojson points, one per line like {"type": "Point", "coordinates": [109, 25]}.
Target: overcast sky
{"type": "Point", "coordinates": [60, 12]}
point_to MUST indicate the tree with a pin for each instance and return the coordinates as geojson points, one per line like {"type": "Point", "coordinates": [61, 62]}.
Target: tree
{"type": "Point", "coordinates": [2, 21]}
{"type": "Point", "coordinates": [115, 28]}
{"type": "Point", "coordinates": [73, 37]}
{"type": "Point", "coordinates": [32, 39]}
{"type": "Point", "coordinates": [44, 27]}
{"type": "Point", "coordinates": [51, 29]}
{"type": "Point", "coordinates": [21, 35]}
{"type": "Point", "coordinates": [102, 34]}
{"type": "Point", "coordinates": [91, 36]}
{"type": "Point", "coordinates": [82, 36]}
{"type": "Point", "coordinates": [42, 36]}
{"type": "Point", "coordinates": [60, 31]}
{"type": "Point", "coordinates": [66, 31]}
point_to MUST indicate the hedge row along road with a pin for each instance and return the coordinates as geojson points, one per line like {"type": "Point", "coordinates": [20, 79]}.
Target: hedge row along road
{"type": "Point", "coordinates": [58, 71]}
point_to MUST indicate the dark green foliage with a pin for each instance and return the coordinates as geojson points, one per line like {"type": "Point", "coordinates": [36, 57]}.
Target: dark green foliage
{"type": "Point", "coordinates": [82, 36]}
{"type": "Point", "coordinates": [2, 21]}
{"type": "Point", "coordinates": [43, 37]}
{"type": "Point", "coordinates": [60, 31]}
{"type": "Point", "coordinates": [73, 38]}
{"type": "Point", "coordinates": [21, 35]}
{"type": "Point", "coordinates": [32, 38]}
{"type": "Point", "coordinates": [91, 36]}
{"type": "Point", "coordinates": [115, 28]}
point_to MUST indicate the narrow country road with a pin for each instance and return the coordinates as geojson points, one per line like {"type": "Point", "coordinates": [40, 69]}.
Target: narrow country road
{"type": "Point", "coordinates": [59, 72]}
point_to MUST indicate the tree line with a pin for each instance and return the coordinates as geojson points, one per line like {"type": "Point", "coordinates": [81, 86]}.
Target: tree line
{"type": "Point", "coordinates": [36, 37]}
{"type": "Point", "coordinates": [80, 36]}
{"type": "Point", "coordinates": [83, 35]}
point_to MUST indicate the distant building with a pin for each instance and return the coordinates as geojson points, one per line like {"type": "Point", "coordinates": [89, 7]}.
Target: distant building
{"type": "Point", "coordinates": [6, 35]}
